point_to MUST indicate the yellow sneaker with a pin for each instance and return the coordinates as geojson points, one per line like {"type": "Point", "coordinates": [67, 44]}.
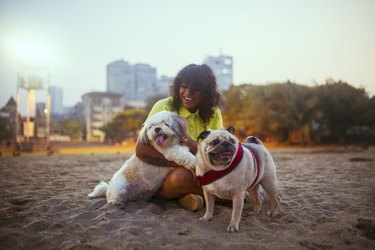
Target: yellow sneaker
{"type": "Point", "coordinates": [191, 202]}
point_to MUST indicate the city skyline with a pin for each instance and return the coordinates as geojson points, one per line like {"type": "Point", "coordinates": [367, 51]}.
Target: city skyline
{"type": "Point", "coordinates": [305, 42]}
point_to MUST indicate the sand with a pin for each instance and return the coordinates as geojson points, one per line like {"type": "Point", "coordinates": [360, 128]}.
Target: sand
{"type": "Point", "coordinates": [328, 198]}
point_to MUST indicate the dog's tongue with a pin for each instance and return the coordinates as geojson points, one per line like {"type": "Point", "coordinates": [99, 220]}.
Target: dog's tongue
{"type": "Point", "coordinates": [160, 139]}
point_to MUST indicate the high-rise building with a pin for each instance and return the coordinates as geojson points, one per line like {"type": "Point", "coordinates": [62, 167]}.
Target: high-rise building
{"type": "Point", "coordinates": [163, 85]}
{"type": "Point", "coordinates": [134, 82]}
{"type": "Point", "coordinates": [223, 68]}
{"type": "Point", "coordinates": [145, 81]}
{"type": "Point", "coordinates": [56, 94]}
{"type": "Point", "coordinates": [121, 79]}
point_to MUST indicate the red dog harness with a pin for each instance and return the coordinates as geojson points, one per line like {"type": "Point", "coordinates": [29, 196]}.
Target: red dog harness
{"type": "Point", "coordinates": [212, 175]}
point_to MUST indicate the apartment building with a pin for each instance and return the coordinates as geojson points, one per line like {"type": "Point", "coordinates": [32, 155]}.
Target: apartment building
{"type": "Point", "coordinates": [99, 108]}
{"type": "Point", "coordinates": [134, 82]}
{"type": "Point", "coordinates": [145, 81]}
{"type": "Point", "coordinates": [56, 94]}
{"type": "Point", "coordinates": [223, 68]}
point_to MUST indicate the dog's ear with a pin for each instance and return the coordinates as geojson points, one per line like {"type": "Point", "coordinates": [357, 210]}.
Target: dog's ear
{"type": "Point", "coordinates": [143, 135]}
{"type": "Point", "coordinates": [203, 135]}
{"type": "Point", "coordinates": [179, 126]}
{"type": "Point", "coordinates": [231, 130]}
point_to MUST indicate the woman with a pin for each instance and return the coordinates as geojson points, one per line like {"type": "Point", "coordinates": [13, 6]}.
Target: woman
{"type": "Point", "coordinates": [195, 97]}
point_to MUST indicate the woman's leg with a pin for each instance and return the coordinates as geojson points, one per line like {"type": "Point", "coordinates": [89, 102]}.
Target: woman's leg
{"type": "Point", "coordinates": [178, 183]}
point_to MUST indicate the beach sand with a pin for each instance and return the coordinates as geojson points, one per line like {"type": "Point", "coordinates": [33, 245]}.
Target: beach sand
{"type": "Point", "coordinates": [328, 199]}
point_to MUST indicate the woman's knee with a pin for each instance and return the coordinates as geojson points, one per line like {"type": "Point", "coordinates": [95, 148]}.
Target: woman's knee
{"type": "Point", "coordinates": [180, 177]}
{"type": "Point", "coordinates": [178, 183]}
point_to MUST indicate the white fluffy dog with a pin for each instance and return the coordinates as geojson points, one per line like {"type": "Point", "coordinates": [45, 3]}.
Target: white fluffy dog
{"type": "Point", "coordinates": [137, 179]}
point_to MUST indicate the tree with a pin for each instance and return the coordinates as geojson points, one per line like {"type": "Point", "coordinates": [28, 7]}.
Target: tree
{"type": "Point", "coordinates": [293, 113]}
{"type": "Point", "coordinates": [301, 109]}
{"type": "Point", "coordinates": [125, 125]}
{"type": "Point", "coordinates": [70, 127]}
{"type": "Point", "coordinates": [152, 100]}
{"type": "Point", "coordinates": [73, 128]}
{"type": "Point", "coordinates": [342, 107]}
{"type": "Point", "coordinates": [5, 132]}
{"type": "Point", "coordinates": [273, 112]}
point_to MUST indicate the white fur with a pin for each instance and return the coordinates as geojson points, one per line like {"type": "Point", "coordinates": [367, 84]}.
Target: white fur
{"type": "Point", "coordinates": [137, 179]}
{"type": "Point", "coordinates": [234, 185]}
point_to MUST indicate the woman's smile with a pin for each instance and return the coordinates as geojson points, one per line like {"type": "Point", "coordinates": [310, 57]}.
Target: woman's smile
{"type": "Point", "coordinates": [190, 98]}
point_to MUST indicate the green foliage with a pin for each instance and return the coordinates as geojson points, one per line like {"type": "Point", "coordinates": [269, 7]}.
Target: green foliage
{"type": "Point", "coordinates": [368, 117]}
{"type": "Point", "coordinates": [279, 112]}
{"type": "Point", "coordinates": [271, 112]}
{"type": "Point", "coordinates": [70, 127]}
{"type": "Point", "coordinates": [342, 107]}
{"type": "Point", "coordinates": [125, 125]}
{"type": "Point", "coordinates": [152, 100]}
{"type": "Point", "coordinates": [5, 132]}
{"type": "Point", "coordinates": [292, 113]}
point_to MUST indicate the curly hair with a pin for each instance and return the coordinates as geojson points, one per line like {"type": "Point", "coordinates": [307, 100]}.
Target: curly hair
{"type": "Point", "coordinates": [199, 78]}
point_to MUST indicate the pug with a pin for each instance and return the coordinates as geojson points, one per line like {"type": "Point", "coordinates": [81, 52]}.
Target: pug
{"type": "Point", "coordinates": [228, 169]}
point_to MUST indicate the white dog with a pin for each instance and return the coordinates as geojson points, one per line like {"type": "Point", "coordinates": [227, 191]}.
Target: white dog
{"type": "Point", "coordinates": [137, 179]}
{"type": "Point", "coordinates": [228, 169]}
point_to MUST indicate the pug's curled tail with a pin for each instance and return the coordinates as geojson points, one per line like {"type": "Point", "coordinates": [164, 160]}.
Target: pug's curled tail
{"type": "Point", "coordinates": [100, 190]}
{"type": "Point", "coordinates": [253, 139]}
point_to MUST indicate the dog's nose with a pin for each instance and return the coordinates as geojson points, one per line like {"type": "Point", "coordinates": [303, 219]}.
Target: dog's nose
{"type": "Point", "coordinates": [225, 144]}
{"type": "Point", "coordinates": [157, 129]}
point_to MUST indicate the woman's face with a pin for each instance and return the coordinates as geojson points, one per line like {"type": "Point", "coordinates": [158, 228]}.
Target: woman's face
{"type": "Point", "coordinates": [189, 97]}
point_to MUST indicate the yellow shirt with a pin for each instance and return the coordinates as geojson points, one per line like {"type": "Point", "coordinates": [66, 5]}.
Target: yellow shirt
{"type": "Point", "coordinates": [196, 124]}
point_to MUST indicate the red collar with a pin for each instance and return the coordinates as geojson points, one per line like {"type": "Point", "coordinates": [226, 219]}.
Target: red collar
{"type": "Point", "coordinates": [212, 175]}
{"type": "Point", "coordinates": [255, 181]}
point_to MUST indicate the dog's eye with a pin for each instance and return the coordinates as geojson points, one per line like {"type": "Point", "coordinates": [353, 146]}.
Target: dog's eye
{"type": "Point", "coordinates": [165, 123]}
{"type": "Point", "coordinates": [232, 141]}
{"type": "Point", "coordinates": [215, 142]}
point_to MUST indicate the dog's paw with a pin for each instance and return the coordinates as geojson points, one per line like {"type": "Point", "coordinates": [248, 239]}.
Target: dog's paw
{"type": "Point", "coordinates": [191, 164]}
{"type": "Point", "coordinates": [191, 168]}
{"type": "Point", "coordinates": [231, 228]}
{"type": "Point", "coordinates": [205, 218]}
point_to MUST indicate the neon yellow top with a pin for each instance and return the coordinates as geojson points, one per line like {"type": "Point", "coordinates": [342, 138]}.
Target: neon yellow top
{"type": "Point", "coordinates": [196, 124]}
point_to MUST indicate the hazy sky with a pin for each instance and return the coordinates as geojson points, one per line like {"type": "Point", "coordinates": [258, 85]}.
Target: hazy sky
{"type": "Point", "coordinates": [270, 41]}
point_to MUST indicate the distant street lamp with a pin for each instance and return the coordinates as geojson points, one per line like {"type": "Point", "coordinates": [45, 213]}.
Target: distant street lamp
{"type": "Point", "coordinates": [33, 56]}
{"type": "Point", "coordinates": [47, 111]}
{"type": "Point", "coordinates": [31, 79]}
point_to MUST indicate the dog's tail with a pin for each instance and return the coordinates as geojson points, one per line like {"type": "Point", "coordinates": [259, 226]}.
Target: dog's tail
{"type": "Point", "coordinates": [253, 139]}
{"type": "Point", "coordinates": [100, 190]}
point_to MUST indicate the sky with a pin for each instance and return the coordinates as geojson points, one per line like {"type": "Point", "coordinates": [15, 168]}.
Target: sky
{"type": "Point", "coordinates": [305, 42]}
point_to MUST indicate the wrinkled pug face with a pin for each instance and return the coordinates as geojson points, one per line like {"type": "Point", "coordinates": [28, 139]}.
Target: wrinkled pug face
{"type": "Point", "coordinates": [219, 146]}
{"type": "Point", "coordinates": [164, 129]}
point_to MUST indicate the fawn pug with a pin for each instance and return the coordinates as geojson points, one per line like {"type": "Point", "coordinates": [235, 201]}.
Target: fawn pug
{"type": "Point", "coordinates": [228, 169]}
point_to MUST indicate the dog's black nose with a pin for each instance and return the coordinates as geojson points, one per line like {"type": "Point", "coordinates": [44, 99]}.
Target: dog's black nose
{"type": "Point", "coordinates": [157, 129]}
{"type": "Point", "coordinates": [225, 144]}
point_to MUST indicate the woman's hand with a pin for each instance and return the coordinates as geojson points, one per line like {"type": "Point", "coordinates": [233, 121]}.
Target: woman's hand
{"type": "Point", "coordinates": [190, 143]}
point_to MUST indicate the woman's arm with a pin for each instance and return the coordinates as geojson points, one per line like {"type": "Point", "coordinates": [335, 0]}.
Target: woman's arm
{"type": "Point", "coordinates": [150, 155]}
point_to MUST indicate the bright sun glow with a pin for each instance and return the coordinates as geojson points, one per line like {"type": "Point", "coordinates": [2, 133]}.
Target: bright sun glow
{"type": "Point", "coordinates": [33, 52]}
